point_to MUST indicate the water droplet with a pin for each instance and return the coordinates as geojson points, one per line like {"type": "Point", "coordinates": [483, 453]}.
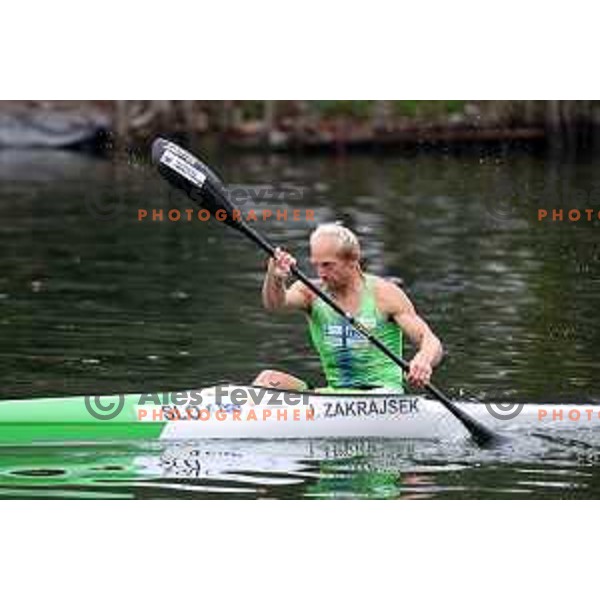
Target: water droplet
{"type": "Point", "coordinates": [180, 295]}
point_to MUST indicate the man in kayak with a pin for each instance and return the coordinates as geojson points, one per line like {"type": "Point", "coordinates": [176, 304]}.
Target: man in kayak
{"type": "Point", "coordinates": [349, 360]}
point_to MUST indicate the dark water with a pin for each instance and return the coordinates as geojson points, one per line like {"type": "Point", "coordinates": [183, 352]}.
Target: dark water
{"type": "Point", "coordinates": [93, 300]}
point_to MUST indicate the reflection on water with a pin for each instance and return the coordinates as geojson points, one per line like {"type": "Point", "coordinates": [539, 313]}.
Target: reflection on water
{"type": "Point", "coordinates": [93, 301]}
{"type": "Point", "coordinates": [534, 467]}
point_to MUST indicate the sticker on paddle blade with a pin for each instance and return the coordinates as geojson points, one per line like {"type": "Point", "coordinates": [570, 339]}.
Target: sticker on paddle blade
{"type": "Point", "coordinates": [179, 165]}
{"type": "Point", "coordinates": [187, 156]}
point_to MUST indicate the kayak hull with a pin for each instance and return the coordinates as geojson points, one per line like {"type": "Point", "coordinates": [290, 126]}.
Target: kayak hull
{"type": "Point", "coordinates": [213, 413]}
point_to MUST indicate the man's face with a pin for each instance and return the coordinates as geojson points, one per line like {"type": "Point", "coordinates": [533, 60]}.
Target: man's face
{"type": "Point", "coordinates": [333, 271]}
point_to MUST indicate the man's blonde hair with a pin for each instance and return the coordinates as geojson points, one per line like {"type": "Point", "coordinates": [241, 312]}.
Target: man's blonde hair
{"type": "Point", "coordinates": [349, 247]}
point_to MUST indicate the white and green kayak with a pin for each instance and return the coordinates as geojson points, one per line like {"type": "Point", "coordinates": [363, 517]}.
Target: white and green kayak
{"type": "Point", "coordinates": [252, 412]}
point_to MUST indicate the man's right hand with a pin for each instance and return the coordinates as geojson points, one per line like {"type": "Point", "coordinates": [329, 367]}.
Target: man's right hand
{"type": "Point", "coordinates": [280, 265]}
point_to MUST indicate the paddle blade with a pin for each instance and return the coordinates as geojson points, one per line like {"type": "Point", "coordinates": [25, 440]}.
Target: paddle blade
{"type": "Point", "coordinates": [188, 173]}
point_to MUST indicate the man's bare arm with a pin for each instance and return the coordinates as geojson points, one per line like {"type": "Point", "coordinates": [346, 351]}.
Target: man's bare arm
{"type": "Point", "coordinates": [275, 294]}
{"type": "Point", "coordinates": [397, 304]}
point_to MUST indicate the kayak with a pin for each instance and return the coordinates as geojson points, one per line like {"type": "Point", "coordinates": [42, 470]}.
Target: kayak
{"type": "Point", "coordinates": [242, 412]}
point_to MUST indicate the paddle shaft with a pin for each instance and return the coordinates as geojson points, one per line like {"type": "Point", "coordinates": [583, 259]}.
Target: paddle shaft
{"type": "Point", "coordinates": [481, 434]}
{"type": "Point", "coordinates": [186, 172]}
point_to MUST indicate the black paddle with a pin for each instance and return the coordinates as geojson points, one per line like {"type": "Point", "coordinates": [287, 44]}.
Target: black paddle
{"type": "Point", "coordinates": [184, 171]}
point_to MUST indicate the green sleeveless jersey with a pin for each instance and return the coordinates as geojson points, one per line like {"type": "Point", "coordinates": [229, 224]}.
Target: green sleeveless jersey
{"type": "Point", "coordinates": [348, 359]}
